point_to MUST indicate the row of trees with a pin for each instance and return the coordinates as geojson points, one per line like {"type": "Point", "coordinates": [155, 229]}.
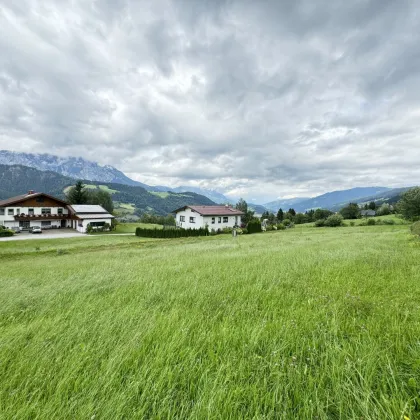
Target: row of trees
{"type": "Point", "coordinates": [168, 220]}
{"type": "Point", "coordinates": [79, 194]}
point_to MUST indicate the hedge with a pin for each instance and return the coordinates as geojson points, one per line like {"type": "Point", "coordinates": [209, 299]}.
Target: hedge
{"type": "Point", "coordinates": [254, 226]}
{"type": "Point", "coordinates": [5, 232]}
{"type": "Point", "coordinates": [171, 233]}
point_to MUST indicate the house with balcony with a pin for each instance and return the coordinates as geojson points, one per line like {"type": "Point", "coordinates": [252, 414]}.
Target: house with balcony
{"type": "Point", "coordinates": [214, 217]}
{"type": "Point", "coordinates": [43, 210]}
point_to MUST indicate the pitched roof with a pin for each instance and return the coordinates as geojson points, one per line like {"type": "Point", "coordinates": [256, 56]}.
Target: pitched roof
{"type": "Point", "coordinates": [86, 208]}
{"type": "Point", "coordinates": [23, 197]}
{"type": "Point", "coordinates": [213, 210]}
{"type": "Point", "coordinates": [95, 216]}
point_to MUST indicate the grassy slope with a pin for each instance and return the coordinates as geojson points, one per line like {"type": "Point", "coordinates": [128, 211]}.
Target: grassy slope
{"type": "Point", "coordinates": [293, 324]}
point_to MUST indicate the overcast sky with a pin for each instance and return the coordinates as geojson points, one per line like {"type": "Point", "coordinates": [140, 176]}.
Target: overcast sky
{"type": "Point", "coordinates": [267, 98]}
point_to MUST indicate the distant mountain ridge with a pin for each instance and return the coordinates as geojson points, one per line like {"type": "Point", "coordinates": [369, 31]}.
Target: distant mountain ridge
{"type": "Point", "coordinates": [332, 200]}
{"type": "Point", "coordinates": [77, 168]}
{"type": "Point", "coordinates": [19, 179]}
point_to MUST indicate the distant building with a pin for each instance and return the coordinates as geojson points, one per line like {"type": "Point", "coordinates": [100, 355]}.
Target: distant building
{"type": "Point", "coordinates": [368, 213]}
{"type": "Point", "coordinates": [215, 217]}
{"type": "Point", "coordinates": [43, 210]}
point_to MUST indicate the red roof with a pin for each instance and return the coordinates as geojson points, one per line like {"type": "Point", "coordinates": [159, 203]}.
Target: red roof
{"type": "Point", "coordinates": [213, 210]}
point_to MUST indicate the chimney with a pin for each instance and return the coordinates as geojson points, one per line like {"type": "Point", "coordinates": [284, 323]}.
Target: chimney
{"type": "Point", "coordinates": [30, 192]}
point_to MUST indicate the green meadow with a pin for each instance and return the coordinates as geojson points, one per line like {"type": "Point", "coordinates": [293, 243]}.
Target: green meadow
{"type": "Point", "coordinates": [307, 323]}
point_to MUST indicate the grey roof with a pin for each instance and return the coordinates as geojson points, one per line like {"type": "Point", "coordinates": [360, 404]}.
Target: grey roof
{"type": "Point", "coordinates": [87, 208]}
{"type": "Point", "coordinates": [95, 216]}
{"type": "Point", "coordinates": [368, 213]}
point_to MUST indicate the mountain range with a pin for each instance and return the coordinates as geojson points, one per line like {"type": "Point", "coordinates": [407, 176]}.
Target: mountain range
{"type": "Point", "coordinates": [52, 174]}
{"type": "Point", "coordinates": [334, 200]}
{"type": "Point", "coordinates": [19, 179]}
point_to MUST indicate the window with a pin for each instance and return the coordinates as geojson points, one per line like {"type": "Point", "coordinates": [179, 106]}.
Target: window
{"type": "Point", "coordinates": [96, 224]}
{"type": "Point", "coordinates": [220, 220]}
{"type": "Point", "coordinates": [46, 223]}
{"type": "Point", "coordinates": [60, 211]}
{"type": "Point", "coordinates": [18, 211]}
{"type": "Point", "coordinates": [40, 199]}
{"type": "Point", "coordinates": [213, 220]}
{"type": "Point", "coordinates": [225, 219]}
{"type": "Point", "coordinates": [182, 218]}
{"type": "Point", "coordinates": [192, 219]}
{"type": "Point", "coordinates": [1, 212]}
{"type": "Point", "coordinates": [31, 212]}
{"type": "Point", "coordinates": [10, 212]}
{"type": "Point", "coordinates": [45, 211]}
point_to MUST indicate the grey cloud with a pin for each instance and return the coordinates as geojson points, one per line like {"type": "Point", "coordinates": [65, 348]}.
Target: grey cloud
{"type": "Point", "coordinates": [262, 99]}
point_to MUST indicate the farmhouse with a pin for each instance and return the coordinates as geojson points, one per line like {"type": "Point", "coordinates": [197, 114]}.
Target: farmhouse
{"type": "Point", "coordinates": [215, 217]}
{"type": "Point", "coordinates": [43, 210]}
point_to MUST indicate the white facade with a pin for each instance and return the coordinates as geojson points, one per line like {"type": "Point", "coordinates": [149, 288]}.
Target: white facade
{"type": "Point", "coordinates": [7, 216]}
{"type": "Point", "coordinates": [189, 219]}
{"type": "Point", "coordinates": [77, 217]}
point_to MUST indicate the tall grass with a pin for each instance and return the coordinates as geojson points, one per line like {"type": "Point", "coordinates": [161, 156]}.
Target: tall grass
{"type": "Point", "coordinates": [322, 323]}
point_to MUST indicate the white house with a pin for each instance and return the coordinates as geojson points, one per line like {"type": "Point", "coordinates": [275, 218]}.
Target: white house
{"type": "Point", "coordinates": [215, 217]}
{"type": "Point", "coordinates": [43, 210]}
{"type": "Point", "coordinates": [84, 215]}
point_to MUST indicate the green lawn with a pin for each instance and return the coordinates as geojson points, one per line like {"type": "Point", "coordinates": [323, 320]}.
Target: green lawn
{"type": "Point", "coordinates": [131, 227]}
{"type": "Point", "coordinates": [297, 324]}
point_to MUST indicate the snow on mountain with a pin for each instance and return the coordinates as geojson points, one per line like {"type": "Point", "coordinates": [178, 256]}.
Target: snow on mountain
{"type": "Point", "coordinates": [77, 168]}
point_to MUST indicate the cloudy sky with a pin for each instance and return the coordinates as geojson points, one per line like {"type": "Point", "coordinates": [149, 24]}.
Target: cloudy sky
{"type": "Point", "coordinates": [267, 98]}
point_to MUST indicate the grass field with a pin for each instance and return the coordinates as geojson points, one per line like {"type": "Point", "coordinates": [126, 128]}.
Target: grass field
{"type": "Point", "coordinates": [299, 324]}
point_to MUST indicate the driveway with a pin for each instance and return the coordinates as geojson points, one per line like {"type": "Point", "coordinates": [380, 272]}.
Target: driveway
{"type": "Point", "coordinates": [46, 234]}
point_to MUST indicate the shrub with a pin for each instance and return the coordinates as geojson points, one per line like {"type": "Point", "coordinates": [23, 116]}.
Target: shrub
{"type": "Point", "coordinates": [371, 222]}
{"type": "Point", "coordinates": [388, 222]}
{"type": "Point", "coordinates": [254, 226]}
{"type": "Point", "coordinates": [227, 230]}
{"type": "Point", "coordinates": [352, 223]}
{"type": "Point", "coordinates": [320, 223]}
{"type": "Point", "coordinates": [287, 222]}
{"type": "Point", "coordinates": [334, 220]}
{"type": "Point", "coordinates": [415, 228]}
{"type": "Point", "coordinates": [280, 226]}
{"type": "Point", "coordinates": [5, 232]}
{"type": "Point", "coordinates": [409, 204]}
{"type": "Point", "coordinates": [244, 231]}
{"type": "Point", "coordinates": [268, 228]}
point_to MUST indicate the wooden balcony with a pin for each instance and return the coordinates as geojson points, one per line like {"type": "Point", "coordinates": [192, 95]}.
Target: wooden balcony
{"type": "Point", "coordinates": [26, 217]}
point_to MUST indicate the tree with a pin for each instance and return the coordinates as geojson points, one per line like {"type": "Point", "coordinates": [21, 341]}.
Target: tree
{"type": "Point", "coordinates": [301, 218]}
{"type": "Point", "coordinates": [292, 212]}
{"type": "Point", "coordinates": [409, 205]}
{"type": "Point", "coordinates": [352, 211]}
{"type": "Point", "coordinates": [384, 210]}
{"type": "Point", "coordinates": [372, 205]}
{"type": "Point", "coordinates": [101, 198]}
{"type": "Point", "coordinates": [321, 214]}
{"type": "Point", "coordinates": [280, 215]}
{"type": "Point", "coordinates": [242, 206]}
{"type": "Point", "coordinates": [310, 215]}
{"type": "Point", "coordinates": [77, 194]}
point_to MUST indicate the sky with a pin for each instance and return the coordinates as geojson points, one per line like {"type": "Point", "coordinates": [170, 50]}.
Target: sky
{"type": "Point", "coordinates": [260, 99]}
